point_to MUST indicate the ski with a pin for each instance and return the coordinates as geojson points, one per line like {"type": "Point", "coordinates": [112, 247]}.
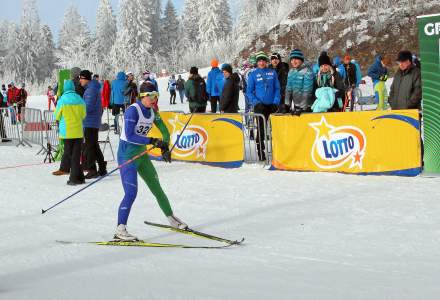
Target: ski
{"type": "Point", "coordinates": [142, 244]}
{"type": "Point", "coordinates": [196, 233]}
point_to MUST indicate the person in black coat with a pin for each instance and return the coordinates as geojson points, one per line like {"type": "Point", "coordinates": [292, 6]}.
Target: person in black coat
{"type": "Point", "coordinates": [231, 91]}
{"type": "Point", "coordinates": [282, 70]}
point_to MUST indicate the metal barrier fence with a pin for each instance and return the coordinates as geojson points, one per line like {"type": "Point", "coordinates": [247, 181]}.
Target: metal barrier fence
{"type": "Point", "coordinates": [255, 130]}
{"type": "Point", "coordinates": [52, 134]}
{"type": "Point", "coordinates": [10, 127]}
{"type": "Point", "coordinates": [33, 127]}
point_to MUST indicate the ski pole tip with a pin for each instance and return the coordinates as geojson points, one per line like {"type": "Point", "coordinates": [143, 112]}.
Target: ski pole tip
{"type": "Point", "coordinates": [43, 211]}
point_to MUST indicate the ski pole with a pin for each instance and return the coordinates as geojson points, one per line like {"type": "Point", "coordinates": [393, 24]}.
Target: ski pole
{"type": "Point", "coordinates": [43, 211]}
{"type": "Point", "coordinates": [99, 179]}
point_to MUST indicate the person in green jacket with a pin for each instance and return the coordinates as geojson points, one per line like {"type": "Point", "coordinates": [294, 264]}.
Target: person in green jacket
{"type": "Point", "coordinates": [195, 91]}
{"type": "Point", "coordinates": [70, 113]}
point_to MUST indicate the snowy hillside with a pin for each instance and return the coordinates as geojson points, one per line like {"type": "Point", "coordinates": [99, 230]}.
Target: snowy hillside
{"type": "Point", "coordinates": [362, 28]}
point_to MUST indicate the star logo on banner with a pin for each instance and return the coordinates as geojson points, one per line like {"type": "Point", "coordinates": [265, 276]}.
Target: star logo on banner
{"type": "Point", "coordinates": [322, 128]}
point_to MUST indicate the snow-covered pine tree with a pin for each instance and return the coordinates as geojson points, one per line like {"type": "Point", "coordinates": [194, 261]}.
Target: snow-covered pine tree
{"type": "Point", "coordinates": [46, 54]}
{"type": "Point", "coordinates": [211, 22]}
{"type": "Point", "coordinates": [190, 22]}
{"type": "Point", "coordinates": [226, 24]}
{"type": "Point", "coordinates": [105, 38]}
{"type": "Point", "coordinates": [12, 61]}
{"type": "Point", "coordinates": [143, 36]}
{"type": "Point", "coordinates": [29, 37]}
{"type": "Point", "coordinates": [170, 29]}
{"type": "Point", "coordinates": [155, 15]}
{"type": "Point", "coordinates": [74, 40]}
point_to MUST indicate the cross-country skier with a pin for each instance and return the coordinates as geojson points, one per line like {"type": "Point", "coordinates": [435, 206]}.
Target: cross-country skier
{"type": "Point", "coordinates": [138, 120]}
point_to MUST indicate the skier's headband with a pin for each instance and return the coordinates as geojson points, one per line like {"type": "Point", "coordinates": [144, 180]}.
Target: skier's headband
{"type": "Point", "coordinates": [149, 94]}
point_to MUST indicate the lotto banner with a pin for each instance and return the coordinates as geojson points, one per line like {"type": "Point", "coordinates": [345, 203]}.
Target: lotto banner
{"type": "Point", "coordinates": [216, 140]}
{"type": "Point", "coordinates": [429, 36]}
{"type": "Point", "coordinates": [377, 142]}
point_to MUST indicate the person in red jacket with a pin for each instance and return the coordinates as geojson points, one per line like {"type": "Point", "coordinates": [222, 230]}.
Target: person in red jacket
{"type": "Point", "coordinates": [105, 94]}
{"type": "Point", "coordinates": [13, 94]}
{"type": "Point", "coordinates": [51, 97]}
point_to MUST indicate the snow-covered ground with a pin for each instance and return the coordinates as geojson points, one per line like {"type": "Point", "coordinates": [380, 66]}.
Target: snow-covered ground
{"type": "Point", "coordinates": [308, 235]}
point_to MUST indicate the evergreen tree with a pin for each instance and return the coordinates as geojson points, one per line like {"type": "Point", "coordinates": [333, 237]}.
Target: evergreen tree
{"type": "Point", "coordinates": [143, 27]}
{"type": "Point", "coordinates": [155, 17]}
{"type": "Point", "coordinates": [74, 40]}
{"type": "Point", "coordinates": [211, 22]}
{"type": "Point", "coordinates": [190, 21]}
{"type": "Point", "coordinates": [12, 60]}
{"type": "Point", "coordinates": [170, 28]}
{"type": "Point", "coordinates": [28, 39]}
{"type": "Point", "coordinates": [46, 54]}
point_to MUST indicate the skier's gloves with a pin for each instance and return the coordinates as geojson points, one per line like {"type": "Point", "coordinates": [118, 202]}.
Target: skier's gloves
{"type": "Point", "coordinates": [166, 155]}
{"type": "Point", "coordinates": [158, 143]}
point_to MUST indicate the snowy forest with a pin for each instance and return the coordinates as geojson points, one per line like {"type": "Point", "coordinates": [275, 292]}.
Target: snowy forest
{"type": "Point", "coordinates": [143, 35]}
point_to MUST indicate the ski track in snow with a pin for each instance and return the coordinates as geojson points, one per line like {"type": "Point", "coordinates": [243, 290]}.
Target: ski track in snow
{"type": "Point", "coordinates": [308, 235]}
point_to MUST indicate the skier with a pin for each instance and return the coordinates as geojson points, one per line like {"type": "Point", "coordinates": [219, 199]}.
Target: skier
{"type": "Point", "coordinates": [172, 83]}
{"type": "Point", "coordinates": [139, 119]}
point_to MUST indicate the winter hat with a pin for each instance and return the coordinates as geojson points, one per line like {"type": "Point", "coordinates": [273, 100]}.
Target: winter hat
{"type": "Point", "coordinates": [296, 53]}
{"type": "Point", "coordinates": [261, 56]}
{"type": "Point", "coordinates": [85, 74]}
{"type": "Point", "coordinates": [147, 87]}
{"type": "Point", "coordinates": [227, 68]}
{"type": "Point", "coordinates": [404, 56]}
{"type": "Point", "coordinates": [324, 59]}
{"type": "Point", "coordinates": [214, 63]}
{"type": "Point", "coordinates": [194, 71]}
{"type": "Point", "coordinates": [275, 56]}
{"type": "Point", "coordinates": [74, 73]}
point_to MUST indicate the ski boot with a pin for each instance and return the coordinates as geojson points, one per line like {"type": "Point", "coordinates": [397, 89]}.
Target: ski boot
{"type": "Point", "coordinates": [122, 234]}
{"type": "Point", "coordinates": [177, 223]}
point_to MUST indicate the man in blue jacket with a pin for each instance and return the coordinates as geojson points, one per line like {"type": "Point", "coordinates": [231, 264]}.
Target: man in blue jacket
{"type": "Point", "coordinates": [92, 122]}
{"type": "Point", "coordinates": [214, 85]}
{"type": "Point", "coordinates": [117, 96]}
{"type": "Point", "coordinates": [263, 91]}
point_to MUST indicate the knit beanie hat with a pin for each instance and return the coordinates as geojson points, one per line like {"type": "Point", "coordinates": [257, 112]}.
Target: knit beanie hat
{"type": "Point", "coordinates": [227, 68]}
{"type": "Point", "coordinates": [275, 56]}
{"type": "Point", "coordinates": [214, 63]}
{"type": "Point", "coordinates": [296, 53]}
{"type": "Point", "coordinates": [324, 59]}
{"type": "Point", "coordinates": [261, 56]}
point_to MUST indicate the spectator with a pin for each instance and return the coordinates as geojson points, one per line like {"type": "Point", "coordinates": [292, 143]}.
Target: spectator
{"type": "Point", "coordinates": [339, 67]}
{"type": "Point", "coordinates": [330, 87]}
{"type": "Point", "coordinates": [350, 81]}
{"type": "Point", "coordinates": [263, 90]}
{"type": "Point", "coordinates": [131, 91]}
{"type": "Point", "coordinates": [13, 94]}
{"type": "Point", "coordinates": [70, 113]}
{"type": "Point", "coordinates": [299, 90]}
{"type": "Point", "coordinates": [51, 98]}
{"type": "Point", "coordinates": [214, 85]}
{"type": "Point", "coordinates": [248, 68]}
{"type": "Point", "coordinates": [195, 91]}
{"type": "Point", "coordinates": [74, 75]}
{"type": "Point", "coordinates": [181, 88]}
{"type": "Point", "coordinates": [282, 70]}
{"type": "Point", "coordinates": [3, 137]}
{"type": "Point", "coordinates": [406, 89]}
{"type": "Point", "coordinates": [231, 91]}
{"type": "Point", "coordinates": [92, 123]}
{"type": "Point", "coordinates": [379, 74]}
{"type": "Point", "coordinates": [147, 76]}
{"type": "Point", "coordinates": [117, 96]}
{"type": "Point", "coordinates": [106, 94]}
{"type": "Point", "coordinates": [172, 85]}
{"type": "Point", "coordinates": [4, 93]}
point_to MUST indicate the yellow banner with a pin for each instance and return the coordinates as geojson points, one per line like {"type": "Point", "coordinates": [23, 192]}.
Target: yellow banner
{"type": "Point", "coordinates": [377, 142]}
{"type": "Point", "coordinates": [212, 139]}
